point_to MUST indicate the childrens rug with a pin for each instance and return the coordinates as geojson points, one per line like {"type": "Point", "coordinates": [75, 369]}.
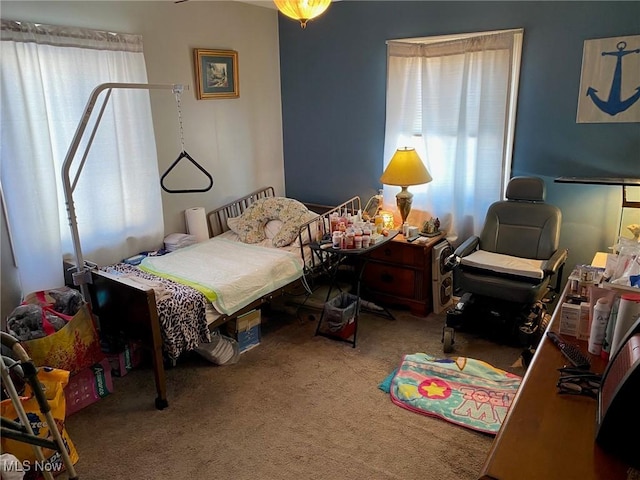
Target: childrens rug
{"type": "Point", "coordinates": [460, 390]}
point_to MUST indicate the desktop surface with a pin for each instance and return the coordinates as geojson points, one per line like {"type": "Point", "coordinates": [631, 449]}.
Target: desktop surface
{"type": "Point", "coordinates": [547, 435]}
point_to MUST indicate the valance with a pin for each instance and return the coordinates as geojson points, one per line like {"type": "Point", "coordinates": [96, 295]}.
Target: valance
{"type": "Point", "coordinates": [19, 31]}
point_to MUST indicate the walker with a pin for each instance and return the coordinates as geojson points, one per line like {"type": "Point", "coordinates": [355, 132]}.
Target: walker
{"type": "Point", "coordinates": [22, 431]}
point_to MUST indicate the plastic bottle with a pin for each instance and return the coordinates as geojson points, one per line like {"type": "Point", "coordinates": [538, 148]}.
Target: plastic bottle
{"type": "Point", "coordinates": [608, 335]}
{"type": "Point", "coordinates": [350, 239]}
{"type": "Point", "coordinates": [336, 239]}
{"type": "Point", "coordinates": [366, 237]}
{"type": "Point", "coordinates": [379, 223]}
{"type": "Point", "coordinates": [601, 312]}
{"type": "Point", "coordinates": [357, 239]}
{"type": "Point", "coordinates": [334, 219]}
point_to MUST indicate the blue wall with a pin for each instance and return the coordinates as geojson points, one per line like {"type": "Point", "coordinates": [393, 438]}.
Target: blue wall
{"type": "Point", "coordinates": [333, 77]}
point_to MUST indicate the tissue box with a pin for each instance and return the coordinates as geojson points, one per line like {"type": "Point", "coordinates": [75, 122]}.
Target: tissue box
{"type": "Point", "coordinates": [246, 330]}
{"type": "Point", "coordinates": [88, 386]}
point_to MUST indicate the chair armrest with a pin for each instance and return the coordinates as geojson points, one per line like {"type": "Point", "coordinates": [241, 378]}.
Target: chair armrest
{"type": "Point", "coordinates": [552, 265]}
{"type": "Point", "coordinates": [467, 247]}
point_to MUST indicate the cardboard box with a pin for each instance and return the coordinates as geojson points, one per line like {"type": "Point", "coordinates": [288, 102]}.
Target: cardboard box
{"type": "Point", "coordinates": [88, 386]}
{"type": "Point", "coordinates": [246, 330]}
{"type": "Point", "coordinates": [122, 362]}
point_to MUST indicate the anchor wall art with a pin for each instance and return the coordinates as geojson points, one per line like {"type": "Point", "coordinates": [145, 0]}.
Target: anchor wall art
{"type": "Point", "coordinates": [610, 81]}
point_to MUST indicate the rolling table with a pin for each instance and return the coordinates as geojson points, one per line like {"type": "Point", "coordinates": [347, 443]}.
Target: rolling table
{"type": "Point", "coordinates": [341, 255]}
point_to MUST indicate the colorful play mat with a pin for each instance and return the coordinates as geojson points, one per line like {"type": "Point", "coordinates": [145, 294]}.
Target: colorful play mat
{"type": "Point", "coordinates": [464, 391]}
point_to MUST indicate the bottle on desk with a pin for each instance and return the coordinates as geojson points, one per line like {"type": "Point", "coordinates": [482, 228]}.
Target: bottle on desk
{"type": "Point", "coordinates": [601, 312]}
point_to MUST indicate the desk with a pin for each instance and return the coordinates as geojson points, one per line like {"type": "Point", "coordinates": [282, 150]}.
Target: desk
{"type": "Point", "coordinates": [547, 436]}
{"type": "Point", "coordinates": [342, 254]}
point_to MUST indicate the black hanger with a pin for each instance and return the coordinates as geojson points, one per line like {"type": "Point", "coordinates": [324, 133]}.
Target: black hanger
{"type": "Point", "coordinates": [182, 155]}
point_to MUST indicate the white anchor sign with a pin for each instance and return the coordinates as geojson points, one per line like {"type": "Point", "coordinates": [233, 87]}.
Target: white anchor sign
{"type": "Point", "coordinates": [610, 81]}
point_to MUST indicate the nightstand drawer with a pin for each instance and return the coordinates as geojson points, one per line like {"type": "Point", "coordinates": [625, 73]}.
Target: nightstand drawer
{"type": "Point", "coordinates": [399, 253]}
{"type": "Point", "coordinates": [396, 281]}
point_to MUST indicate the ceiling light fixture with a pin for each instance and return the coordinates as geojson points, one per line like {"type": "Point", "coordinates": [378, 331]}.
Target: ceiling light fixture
{"type": "Point", "coordinates": [302, 10]}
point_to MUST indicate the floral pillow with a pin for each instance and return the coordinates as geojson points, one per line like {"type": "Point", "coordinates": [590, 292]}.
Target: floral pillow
{"type": "Point", "coordinates": [251, 224]}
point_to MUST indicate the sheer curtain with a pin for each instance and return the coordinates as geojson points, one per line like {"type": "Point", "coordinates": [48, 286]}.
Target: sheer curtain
{"type": "Point", "coordinates": [48, 74]}
{"type": "Point", "coordinates": [453, 100]}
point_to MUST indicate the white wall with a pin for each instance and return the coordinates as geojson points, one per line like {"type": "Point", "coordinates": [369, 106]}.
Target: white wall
{"type": "Point", "coordinates": [239, 141]}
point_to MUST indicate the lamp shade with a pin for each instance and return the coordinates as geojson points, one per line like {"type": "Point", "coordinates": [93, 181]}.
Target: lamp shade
{"type": "Point", "coordinates": [302, 10]}
{"type": "Point", "coordinates": [405, 168]}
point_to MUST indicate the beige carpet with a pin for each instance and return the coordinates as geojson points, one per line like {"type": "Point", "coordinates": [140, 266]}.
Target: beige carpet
{"type": "Point", "coordinates": [295, 407]}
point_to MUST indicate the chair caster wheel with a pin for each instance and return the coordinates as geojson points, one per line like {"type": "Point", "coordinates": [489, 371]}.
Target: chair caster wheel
{"type": "Point", "coordinates": [447, 339]}
{"type": "Point", "coordinates": [161, 403]}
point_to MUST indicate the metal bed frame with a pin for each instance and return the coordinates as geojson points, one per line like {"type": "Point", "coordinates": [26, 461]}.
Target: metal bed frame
{"type": "Point", "coordinates": [124, 308]}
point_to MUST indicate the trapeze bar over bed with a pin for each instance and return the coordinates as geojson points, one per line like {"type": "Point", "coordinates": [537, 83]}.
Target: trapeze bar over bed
{"type": "Point", "coordinates": [82, 276]}
{"type": "Point", "coordinates": [126, 305]}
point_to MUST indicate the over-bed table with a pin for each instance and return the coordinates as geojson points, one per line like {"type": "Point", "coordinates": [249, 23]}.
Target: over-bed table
{"type": "Point", "coordinates": [126, 303]}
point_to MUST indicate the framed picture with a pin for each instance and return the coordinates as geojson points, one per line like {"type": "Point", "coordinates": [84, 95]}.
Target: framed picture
{"type": "Point", "coordinates": [216, 73]}
{"type": "Point", "coordinates": [610, 81]}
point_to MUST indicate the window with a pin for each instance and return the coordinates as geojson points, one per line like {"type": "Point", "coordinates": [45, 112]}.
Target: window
{"type": "Point", "coordinates": [453, 99]}
{"type": "Point", "coordinates": [48, 74]}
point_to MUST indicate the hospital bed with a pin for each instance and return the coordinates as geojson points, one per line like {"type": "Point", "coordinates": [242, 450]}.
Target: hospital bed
{"type": "Point", "coordinates": [166, 309]}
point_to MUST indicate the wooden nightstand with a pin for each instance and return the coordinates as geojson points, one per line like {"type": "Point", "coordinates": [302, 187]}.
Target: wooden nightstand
{"type": "Point", "coordinates": [399, 273]}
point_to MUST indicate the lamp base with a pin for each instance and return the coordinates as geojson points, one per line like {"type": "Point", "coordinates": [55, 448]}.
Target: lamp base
{"type": "Point", "coordinates": [404, 199]}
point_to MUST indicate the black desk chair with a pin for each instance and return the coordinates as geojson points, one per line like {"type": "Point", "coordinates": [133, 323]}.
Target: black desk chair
{"type": "Point", "coordinates": [508, 268]}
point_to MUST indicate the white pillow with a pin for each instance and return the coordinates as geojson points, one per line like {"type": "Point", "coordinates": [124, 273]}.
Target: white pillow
{"type": "Point", "coordinates": [271, 229]}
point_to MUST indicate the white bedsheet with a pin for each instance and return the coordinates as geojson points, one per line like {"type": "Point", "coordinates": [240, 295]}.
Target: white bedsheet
{"type": "Point", "coordinates": [230, 274]}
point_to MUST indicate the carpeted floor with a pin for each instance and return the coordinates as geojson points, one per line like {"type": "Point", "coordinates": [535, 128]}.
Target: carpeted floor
{"type": "Point", "coordinates": [298, 406]}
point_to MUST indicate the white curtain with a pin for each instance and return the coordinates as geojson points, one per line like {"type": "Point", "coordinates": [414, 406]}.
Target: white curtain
{"type": "Point", "coordinates": [453, 100]}
{"type": "Point", "coordinates": [48, 74]}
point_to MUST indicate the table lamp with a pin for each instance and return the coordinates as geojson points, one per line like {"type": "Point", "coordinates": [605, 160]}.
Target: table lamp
{"type": "Point", "coordinates": [405, 169]}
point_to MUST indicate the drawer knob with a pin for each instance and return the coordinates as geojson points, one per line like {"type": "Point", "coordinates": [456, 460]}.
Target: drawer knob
{"type": "Point", "coordinates": [386, 277]}
{"type": "Point", "coordinates": [387, 252]}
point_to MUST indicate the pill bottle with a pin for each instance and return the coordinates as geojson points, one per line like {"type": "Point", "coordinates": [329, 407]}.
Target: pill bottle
{"type": "Point", "coordinates": [357, 239]}
{"type": "Point", "coordinates": [350, 240]}
{"type": "Point", "coordinates": [336, 239]}
{"type": "Point", "coordinates": [366, 235]}
{"type": "Point", "coordinates": [333, 219]}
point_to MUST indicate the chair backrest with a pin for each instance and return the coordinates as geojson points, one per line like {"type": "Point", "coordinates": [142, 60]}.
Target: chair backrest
{"type": "Point", "coordinates": [523, 225]}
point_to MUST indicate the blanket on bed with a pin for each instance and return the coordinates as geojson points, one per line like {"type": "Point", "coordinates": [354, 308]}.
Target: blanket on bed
{"type": "Point", "coordinates": [230, 274]}
{"type": "Point", "coordinates": [464, 391]}
{"type": "Point", "coordinates": [181, 310]}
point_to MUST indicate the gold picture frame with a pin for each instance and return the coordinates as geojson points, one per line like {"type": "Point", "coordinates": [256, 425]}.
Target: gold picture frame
{"type": "Point", "coordinates": [216, 73]}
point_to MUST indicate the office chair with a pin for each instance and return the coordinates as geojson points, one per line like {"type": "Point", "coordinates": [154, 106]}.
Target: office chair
{"type": "Point", "coordinates": [505, 273]}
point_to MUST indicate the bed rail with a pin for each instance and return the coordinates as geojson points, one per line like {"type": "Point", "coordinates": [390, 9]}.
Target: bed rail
{"type": "Point", "coordinates": [217, 218]}
{"type": "Point", "coordinates": [319, 227]}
